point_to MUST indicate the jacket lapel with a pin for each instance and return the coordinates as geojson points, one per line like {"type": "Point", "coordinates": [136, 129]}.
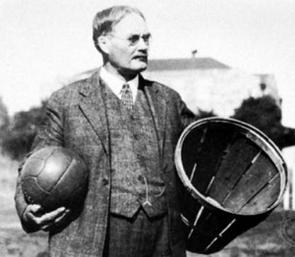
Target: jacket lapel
{"type": "Point", "coordinates": [92, 105]}
{"type": "Point", "coordinates": [158, 106]}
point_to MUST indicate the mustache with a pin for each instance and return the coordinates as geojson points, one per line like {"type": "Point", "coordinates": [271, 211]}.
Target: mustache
{"type": "Point", "coordinates": [140, 56]}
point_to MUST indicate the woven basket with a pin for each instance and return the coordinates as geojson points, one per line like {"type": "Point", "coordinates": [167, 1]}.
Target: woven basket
{"type": "Point", "coordinates": [233, 176]}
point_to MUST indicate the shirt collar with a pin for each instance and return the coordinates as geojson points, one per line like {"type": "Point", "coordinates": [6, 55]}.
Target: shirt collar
{"type": "Point", "coordinates": [115, 83]}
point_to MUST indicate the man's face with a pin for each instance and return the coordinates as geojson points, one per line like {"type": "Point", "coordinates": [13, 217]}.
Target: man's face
{"type": "Point", "coordinates": [128, 45]}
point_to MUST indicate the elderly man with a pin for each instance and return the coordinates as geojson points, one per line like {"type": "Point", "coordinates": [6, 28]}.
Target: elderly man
{"type": "Point", "coordinates": [126, 129]}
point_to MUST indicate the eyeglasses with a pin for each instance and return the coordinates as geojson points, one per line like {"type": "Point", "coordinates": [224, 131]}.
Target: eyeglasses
{"type": "Point", "coordinates": [134, 39]}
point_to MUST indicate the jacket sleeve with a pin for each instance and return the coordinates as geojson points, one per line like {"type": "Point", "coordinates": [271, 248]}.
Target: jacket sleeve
{"type": "Point", "coordinates": [50, 133]}
{"type": "Point", "coordinates": [185, 114]}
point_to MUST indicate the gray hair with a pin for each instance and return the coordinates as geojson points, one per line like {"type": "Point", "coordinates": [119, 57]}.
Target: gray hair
{"type": "Point", "coordinates": [105, 20]}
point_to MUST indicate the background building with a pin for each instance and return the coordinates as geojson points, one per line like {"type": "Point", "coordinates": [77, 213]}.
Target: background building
{"type": "Point", "coordinates": [207, 84]}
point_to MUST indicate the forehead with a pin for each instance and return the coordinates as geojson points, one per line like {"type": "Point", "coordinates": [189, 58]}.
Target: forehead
{"type": "Point", "coordinates": [131, 24]}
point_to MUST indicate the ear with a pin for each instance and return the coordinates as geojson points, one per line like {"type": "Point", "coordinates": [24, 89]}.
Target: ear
{"type": "Point", "coordinates": [103, 43]}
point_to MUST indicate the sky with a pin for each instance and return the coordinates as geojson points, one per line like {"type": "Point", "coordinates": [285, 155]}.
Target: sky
{"type": "Point", "coordinates": [44, 43]}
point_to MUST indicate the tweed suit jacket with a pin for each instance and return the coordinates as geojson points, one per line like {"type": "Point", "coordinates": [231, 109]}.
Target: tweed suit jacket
{"type": "Point", "coordinates": [77, 119]}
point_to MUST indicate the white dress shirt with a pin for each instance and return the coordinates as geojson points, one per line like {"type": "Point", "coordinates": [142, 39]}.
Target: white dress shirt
{"type": "Point", "coordinates": [115, 83]}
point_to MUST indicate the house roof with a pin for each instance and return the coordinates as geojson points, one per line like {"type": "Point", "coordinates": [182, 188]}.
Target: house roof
{"type": "Point", "coordinates": [185, 64]}
{"type": "Point", "coordinates": [172, 65]}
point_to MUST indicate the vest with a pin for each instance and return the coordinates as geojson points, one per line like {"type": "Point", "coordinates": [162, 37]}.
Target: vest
{"type": "Point", "coordinates": [135, 174]}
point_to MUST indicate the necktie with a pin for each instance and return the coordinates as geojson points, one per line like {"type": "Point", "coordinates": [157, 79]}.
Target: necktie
{"type": "Point", "coordinates": [126, 96]}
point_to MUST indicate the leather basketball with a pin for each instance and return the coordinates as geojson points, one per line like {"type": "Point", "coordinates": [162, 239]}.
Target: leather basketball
{"type": "Point", "coordinates": [54, 177]}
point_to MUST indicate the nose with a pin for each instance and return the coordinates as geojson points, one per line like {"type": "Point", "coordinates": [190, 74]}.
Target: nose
{"type": "Point", "coordinates": [143, 44]}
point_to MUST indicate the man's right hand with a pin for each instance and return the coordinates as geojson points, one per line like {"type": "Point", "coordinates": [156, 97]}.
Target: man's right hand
{"type": "Point", "coordinates": [36, 219]}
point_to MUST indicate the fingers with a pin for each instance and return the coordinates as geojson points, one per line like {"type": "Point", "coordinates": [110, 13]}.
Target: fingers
{"type": "Point", "coordinates": [34, 208]}
{"type": "Point", "coordinates": [31, 209]}
{"type": "Point", "coordinates": [61, 217]}
{"type": "Point", "coordinates": [49, 217]}
{"type": "Point", "coordinates": [56, 221]}
{"type": "Point", "coordinates": [36, 216]}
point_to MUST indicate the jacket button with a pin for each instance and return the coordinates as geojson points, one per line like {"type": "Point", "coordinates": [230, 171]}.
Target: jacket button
{"type": "Point", "coordinates": [105, 181]}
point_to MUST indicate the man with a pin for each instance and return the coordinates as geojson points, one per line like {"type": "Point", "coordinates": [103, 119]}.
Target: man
{"type": "Point", "coordinates": [126, 129]}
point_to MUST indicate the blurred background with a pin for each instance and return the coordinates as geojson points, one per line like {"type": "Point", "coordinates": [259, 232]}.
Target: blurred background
{"type": "Point", "coordinates": [231, 58]}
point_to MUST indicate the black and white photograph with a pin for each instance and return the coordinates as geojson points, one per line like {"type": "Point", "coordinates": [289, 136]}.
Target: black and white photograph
{"type": "Point", "coordinates": [147, 128]}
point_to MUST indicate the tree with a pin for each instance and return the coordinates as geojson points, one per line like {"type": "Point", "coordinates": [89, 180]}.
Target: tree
{"type": "Point", "coordinates": [265, 114]}
{"type": "Point", "coordinates": [4, 119]}
{"type": "Point", "coordinates": [22, 130]}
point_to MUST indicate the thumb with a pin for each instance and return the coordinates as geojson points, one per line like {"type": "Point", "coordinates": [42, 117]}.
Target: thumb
{"type": "Point", "coordinates": [34, 208]}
